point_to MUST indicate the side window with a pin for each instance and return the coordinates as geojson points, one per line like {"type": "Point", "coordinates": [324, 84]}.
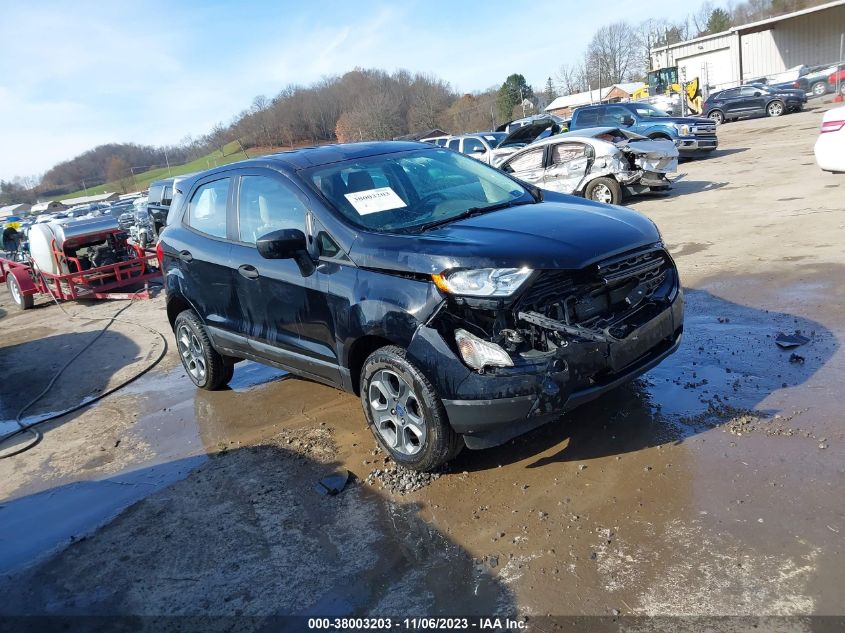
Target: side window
{"type": "Point", "coordinates": [207, 211]}
{"type": "Point", "coordinates": [453, 144]}
{"type": "Point", "coordinates": [472, 144]}
{"type": "Point", "coordinates": [167, 195]}
{"type": "Point", "coordinates": [748, 91]}
{"type": "Point", "coordinates": [265, 205]}
{"type": "Point", "coordinates": [730, 94]}
{"type": "Point", "coordinates": [613, 115]}
{"type": "Point", "coordinates": [565, 152]}
{"type": "Point", "coordinates": [529, 160]}
{"type": "Point", "coordinates": [588, 118]}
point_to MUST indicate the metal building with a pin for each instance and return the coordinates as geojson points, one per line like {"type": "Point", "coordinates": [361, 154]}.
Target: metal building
{"type": "Point", "coordinates": [808, 37]}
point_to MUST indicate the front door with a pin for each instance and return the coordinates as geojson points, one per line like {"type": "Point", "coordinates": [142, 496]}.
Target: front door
{"type": "Point", "coordinates": [568, 164]}
{"type": "Point", "coordinates": [284, 311]}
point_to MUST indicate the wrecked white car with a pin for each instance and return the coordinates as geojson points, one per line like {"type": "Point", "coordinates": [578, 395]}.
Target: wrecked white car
{"type": "Point", "coordinates": [601, 164]}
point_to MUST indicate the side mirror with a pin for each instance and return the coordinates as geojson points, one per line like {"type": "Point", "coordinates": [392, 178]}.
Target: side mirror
{"type": "Point", "coordinates": [479, 150]}
{"type": "Point", "coordinates": [758, 94]}
{"type": "Point", "coordinates": [286, 244]}
{"type": "Point", "coordinates": [628, 121]}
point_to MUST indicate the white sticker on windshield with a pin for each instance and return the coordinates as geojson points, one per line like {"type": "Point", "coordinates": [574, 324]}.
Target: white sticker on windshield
{"type": "Point", "coordinates": [375, 200]}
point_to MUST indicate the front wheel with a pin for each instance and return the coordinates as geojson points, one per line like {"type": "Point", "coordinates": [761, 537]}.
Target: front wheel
{"type": "Point", "coordinates": [404, 412]}
{"type": "Point", "coordinates": [775, 108]}
{"type": "Point", "coordinates": [820, 88]}
{"type": "Point", "coordinates": [206, 368]}
{"type": "Point", "coordinates": [606, 190]}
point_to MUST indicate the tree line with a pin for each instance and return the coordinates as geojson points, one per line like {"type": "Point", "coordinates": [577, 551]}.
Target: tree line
{"type": "Point", "coordinates": [368, 104]}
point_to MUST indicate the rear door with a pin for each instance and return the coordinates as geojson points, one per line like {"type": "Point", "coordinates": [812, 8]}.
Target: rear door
{"type": "Point", "coordinates": [283, 313]}
{"type": "Point", "coordinates": [204, 253]}
{"type": "Point", "coordinates": [731, 102]}
{"type": "Point", "coordinates": [528, 165]}
{"type": "Point", "coordinates": [568, 164]}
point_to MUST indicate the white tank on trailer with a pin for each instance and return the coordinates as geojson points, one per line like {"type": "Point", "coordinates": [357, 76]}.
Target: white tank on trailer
{"type": "Point", "coordinates": [42, 235]}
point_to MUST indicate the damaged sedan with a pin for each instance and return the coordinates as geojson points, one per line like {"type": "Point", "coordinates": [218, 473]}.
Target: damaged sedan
{"type": "Point", "coordinates": [602, 164]}
{"type": "Point", "coordinates": [463, 306]}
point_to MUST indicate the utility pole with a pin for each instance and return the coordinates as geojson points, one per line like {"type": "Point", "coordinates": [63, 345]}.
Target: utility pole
{"type": "Point", "coordinates": [167, 160]}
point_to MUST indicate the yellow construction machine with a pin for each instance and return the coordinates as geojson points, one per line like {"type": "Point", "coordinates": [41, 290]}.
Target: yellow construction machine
{"type": "Point", "coordinates": [664, 81]}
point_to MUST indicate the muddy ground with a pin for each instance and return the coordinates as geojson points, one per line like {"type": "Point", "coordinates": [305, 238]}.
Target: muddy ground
{"type": "Point", "coordinates": [711, 486]}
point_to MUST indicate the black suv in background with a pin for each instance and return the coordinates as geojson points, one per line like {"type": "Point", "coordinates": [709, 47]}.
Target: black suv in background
{"type": "Point", "coordinates": [752, 100]}
{"type": "Point", "coordinates": [463, 306]}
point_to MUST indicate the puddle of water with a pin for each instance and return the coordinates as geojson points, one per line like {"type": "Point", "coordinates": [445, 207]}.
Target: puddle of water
{"type": "Point", "coordinates": [36, 525]}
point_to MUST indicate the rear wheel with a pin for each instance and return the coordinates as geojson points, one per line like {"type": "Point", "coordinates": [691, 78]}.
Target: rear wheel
{"type": "Point", "coordinates": [24, 302]}
{"type": "Point", "coordinates": [717, 117]}
{"type": "Point", "coordinates": [405, 413]}
{"type": "Point", "coordinates": [205, 366]}
{"type": "Point", "coordinates": [606, 190]}
{"type": "Point", "coordinates": [775, 108]}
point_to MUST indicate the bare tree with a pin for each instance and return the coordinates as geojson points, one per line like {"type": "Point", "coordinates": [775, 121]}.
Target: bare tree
{"type": "Point", "coordinates": [613, 52]}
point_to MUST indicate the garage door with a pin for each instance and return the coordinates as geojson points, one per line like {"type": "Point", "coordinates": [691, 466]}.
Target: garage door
{"type": "Point", "coordinates": [714, 69]}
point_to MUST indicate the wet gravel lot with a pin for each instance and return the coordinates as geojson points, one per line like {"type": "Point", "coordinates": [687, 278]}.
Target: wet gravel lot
{"type": "Point", "coordinates": [710, 486]}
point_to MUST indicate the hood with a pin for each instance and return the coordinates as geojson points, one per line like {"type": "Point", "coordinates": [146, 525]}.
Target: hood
{"type": "Point", "coordinates": [680, 120]}
{"type": "Point", "coordinates": [529, 133]}
{"type": "Point", "coordinates": [563, 232]}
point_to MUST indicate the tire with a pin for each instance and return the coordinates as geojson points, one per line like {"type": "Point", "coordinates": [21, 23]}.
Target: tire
{"type": "Point", "coordinates": [819, 88]}
{"type": "Point", "coordinates": [404, 412]}
{"type": "Point", "coordinates": [604, 189]}
{"type": "Point", "coordinates": [24, 302]}
{"type": "Point", "coordinates": [717, 116]}
{"type": "Point", "coordinates": [203, 364]}
{"type": "Point", "coordinates": [775, 108]}
{"type": "Point", "coordinates": [842, 89]}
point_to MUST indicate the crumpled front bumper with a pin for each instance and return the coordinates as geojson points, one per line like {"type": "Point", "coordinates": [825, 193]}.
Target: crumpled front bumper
{"type": "Point", "coordinates": [500, 404]}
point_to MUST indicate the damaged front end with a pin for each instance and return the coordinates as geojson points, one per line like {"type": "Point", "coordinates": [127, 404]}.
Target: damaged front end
{"type": "Point", "coordinates": [646, 164]}
{"type": "Point", "coordinates": [570, 335]}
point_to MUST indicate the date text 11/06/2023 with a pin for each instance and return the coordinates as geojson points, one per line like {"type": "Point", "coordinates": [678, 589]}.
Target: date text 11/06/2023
{"type": "Point", "coordinates": [416, 624]}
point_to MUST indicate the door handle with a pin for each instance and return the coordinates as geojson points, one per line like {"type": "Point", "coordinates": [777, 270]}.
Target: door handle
{"type": "Point", "coordinates": [250, 272]}
{"type": "Point", "coordinates": [185, 256]}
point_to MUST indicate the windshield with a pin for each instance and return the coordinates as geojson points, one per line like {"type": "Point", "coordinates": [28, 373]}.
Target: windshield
{"type": "Point", "coordinates": [494, 138]}
{"type": "Point", "coordinates": [402, 192]}
{"type": "Point", "coordinates": [645, 109]}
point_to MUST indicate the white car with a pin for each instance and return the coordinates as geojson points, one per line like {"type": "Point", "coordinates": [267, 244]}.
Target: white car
{"type": "Point", "coordinates": [601, 164]}
{"type": "Point", "coordinates": [830, 146]}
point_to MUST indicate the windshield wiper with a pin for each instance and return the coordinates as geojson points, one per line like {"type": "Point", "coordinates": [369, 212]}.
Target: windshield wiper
{"type": "Point", "coordinates": [472, 211]}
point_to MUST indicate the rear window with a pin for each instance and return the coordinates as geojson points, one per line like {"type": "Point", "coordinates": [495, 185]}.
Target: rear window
{"type": "Point", "coordinates": [587, 118]}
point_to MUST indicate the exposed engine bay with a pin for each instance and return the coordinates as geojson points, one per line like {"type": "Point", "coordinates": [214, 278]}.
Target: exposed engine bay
{"type": "Point", "coordinates": [601, 303]}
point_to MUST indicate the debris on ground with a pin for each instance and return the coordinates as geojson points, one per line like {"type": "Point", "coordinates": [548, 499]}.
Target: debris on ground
{"type": "Point", "coordinates": [400, 480]}
{"type": "Point", "coordinates": [791, 341]}
{"type": "Point", "coordinates": [795, 359]}
{"type": "Point", "coordinates": [333, 484]}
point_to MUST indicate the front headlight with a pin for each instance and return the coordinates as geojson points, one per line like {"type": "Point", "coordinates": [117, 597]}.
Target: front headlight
{"type": "Point", "coordinates": [683, 130]}
{"type": "Point", "coordinates": [483, 282]}
{"type": "Point", "coordinates": [478, 353]}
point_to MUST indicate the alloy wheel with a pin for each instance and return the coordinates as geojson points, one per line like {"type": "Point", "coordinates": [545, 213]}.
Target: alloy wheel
{"type": "Point", "coordinates": [602, 193]}
{"type": "Point", "coordinates": [190, 349]}
{"type": "Point", "coordinates": [397, 412]}
{"type": "Point", "coordinates": [775, 109]}
{"type": "Point", "coordinates": [819, 89]}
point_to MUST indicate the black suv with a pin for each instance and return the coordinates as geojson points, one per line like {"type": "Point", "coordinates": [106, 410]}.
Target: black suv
{"type": "Point", "coordinates": [464, 306]}
{"type": "Point", "coordinates": [752, 100]}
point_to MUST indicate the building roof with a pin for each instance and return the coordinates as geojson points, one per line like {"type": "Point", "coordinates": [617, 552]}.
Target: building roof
{"type": "Point", "coordinates": [752, 27]}
{"type": "Point", "coordinates": [591, 96]}
{"type": "Point", "coordinates": [764, 25]}
{"type": "Point", "coordinates": [9, 209]}
{"type": "Point", "coordinates": [43, 206]}
{"type": "Point", "coordinates": [102, 197]}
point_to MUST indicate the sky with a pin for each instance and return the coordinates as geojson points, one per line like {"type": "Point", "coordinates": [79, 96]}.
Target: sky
{"type": "Point", "coordinates": [74, 75]}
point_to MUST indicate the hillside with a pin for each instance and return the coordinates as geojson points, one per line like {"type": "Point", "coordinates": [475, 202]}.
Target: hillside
{"type": "Point", "coordinates": [231, 154]}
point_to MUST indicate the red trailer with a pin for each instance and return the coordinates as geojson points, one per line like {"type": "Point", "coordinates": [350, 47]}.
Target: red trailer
{"type": "Point", "coordinates": [79, 260]}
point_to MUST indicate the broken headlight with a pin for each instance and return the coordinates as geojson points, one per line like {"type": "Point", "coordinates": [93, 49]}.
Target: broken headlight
{"type": "Point", "coordinates": [483, 282]}
{"type": "Point", "coordinates": [478, 353]}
